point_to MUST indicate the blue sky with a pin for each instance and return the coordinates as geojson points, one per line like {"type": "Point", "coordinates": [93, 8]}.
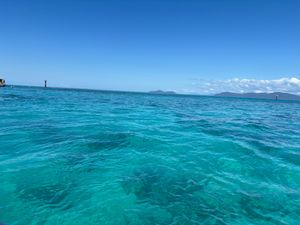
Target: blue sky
{"type": "Point", "coordinates": [202, 46]}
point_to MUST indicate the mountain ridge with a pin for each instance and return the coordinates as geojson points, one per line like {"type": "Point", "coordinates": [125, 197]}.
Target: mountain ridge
{"type": "Point", "coordinates": [160, 92]}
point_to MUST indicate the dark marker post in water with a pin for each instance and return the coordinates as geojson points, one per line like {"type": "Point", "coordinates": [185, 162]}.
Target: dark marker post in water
{"type": "Point", "coordinates": [45, 83]}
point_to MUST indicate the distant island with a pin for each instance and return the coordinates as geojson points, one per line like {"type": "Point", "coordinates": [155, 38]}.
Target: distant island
{"type": "Point", "coordinates": [275, 95]}
{"type": "Point", "coordinates": [160, 92]}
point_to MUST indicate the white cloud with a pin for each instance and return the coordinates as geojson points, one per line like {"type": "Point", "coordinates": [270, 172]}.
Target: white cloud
{"type": "Point", "coordinates": [290, 85]}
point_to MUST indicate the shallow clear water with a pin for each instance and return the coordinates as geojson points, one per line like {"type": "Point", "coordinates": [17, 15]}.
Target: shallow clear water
{"type": "Point", "coordinates": [73, 157]}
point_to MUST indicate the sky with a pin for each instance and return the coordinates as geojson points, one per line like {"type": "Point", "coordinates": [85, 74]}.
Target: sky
{"type": "Point", "coordinates": [188, 46]}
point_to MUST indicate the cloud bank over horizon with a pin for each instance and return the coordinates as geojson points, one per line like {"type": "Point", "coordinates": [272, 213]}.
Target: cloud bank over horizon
{"type": "Point", "coordinates": [239, 85]}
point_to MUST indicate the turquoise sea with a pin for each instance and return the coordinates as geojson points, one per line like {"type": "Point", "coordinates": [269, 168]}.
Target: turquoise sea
{"type": "Point", "coordinates": [76, 157]}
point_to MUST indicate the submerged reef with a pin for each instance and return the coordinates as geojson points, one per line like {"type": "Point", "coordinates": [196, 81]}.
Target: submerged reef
{"type": "Point", "coordinates": [159, 187]}
{"type": "Point", "coordinates": [53, 195]}
{"type": "Point", "coordinates": [198, 199]}
{"type": "Point", "coordinates": [108, 141]}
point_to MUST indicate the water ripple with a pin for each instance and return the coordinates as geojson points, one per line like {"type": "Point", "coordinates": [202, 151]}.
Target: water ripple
{"type": "Point", "coordinates": [93, 157]}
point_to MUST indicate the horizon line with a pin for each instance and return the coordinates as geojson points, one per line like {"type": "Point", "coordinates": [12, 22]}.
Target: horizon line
{"type": "Point", "coordinates": [144, 92]}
